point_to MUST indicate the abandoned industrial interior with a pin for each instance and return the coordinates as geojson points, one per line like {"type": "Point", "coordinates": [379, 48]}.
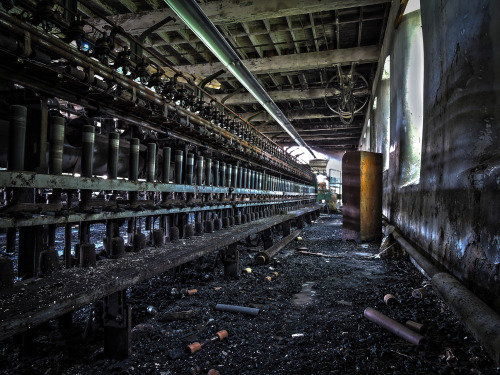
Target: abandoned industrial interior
{"type": "Point", "coordinates": [249, 187]}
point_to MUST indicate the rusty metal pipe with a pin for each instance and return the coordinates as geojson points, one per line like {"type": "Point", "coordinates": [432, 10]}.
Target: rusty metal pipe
{"type": "Point", "coordinates": [265, 256]}
{"type": "Point", "coordinates": [394, 327]}
{"type": "Point", "coordinates": [479, 318]}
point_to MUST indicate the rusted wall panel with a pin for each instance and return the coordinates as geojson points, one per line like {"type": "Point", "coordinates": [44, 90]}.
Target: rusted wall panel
{"type": "Point", "coordinates": [362, 195]}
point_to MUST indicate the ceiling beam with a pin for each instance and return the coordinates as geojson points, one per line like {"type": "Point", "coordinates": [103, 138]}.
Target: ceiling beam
{"type": "Point", "coordinates": [282, 96]}
{"type": "Point", "coordinates": [300, 61]}
{"type": "Point", "coordinates": [295, 62]}
{"type": "Point", "coordinates": [230, 11]}
{"type": "Point", "coordinates": [292, 115]}
{"type": "Point", "coordinates": [315, 127]}
{"type": "Point", "coordinates": [352, 142]}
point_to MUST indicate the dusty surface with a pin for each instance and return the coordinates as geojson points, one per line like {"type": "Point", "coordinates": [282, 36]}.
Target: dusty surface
{"type": "Point", "coordinates": [310, 320]}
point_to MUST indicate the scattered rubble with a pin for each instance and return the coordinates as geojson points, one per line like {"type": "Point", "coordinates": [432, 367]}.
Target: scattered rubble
{"type": "Point", "coordinates": [325, 332]}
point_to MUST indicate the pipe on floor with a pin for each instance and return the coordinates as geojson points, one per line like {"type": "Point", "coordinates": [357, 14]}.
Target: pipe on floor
{"type": "Point", "coordinates": [265, 256]}
{"type": "Point", "coordinates": [478, 318]}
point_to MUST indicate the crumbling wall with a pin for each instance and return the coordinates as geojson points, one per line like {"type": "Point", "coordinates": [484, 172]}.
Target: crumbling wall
{"type": "Point", "coordinates": [453, 211]}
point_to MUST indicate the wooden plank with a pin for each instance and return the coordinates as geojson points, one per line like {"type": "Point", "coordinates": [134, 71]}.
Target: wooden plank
{"type": "Point", "coordinates": [296, 62]}
{"type": "Point", "coordinates": [35, 301]}
{"type": "Point", "coordinates": [230, 11]}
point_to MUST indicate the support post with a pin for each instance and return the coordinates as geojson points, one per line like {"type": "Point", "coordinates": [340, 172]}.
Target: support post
{"type": "Point", "coordinates": [117, 319]}
{"type": "Point", "coordinates": [231, 261]}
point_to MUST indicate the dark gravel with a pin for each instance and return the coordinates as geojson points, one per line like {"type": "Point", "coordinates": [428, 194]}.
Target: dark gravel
{"type": "Point", "coordinates": [310, 321]}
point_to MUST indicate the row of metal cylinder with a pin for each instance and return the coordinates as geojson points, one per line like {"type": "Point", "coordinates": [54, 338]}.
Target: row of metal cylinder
{"type": "Point", "coordinates": [198, 169]}
{"type": "Point", "coordinates": [62, 50]}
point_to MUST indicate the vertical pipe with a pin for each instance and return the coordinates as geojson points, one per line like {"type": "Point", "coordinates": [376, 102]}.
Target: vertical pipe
{"type": "Point", "coordinates": [189, 169]}
{"type": "Point", "coordinates": [151, 171]}
{"type": "Point", "coordinates": [208, 172]}
{"type": "Point", "coordinates": [216, 173]}
{"type": "Point", "coordinates": [113, 147]}
{"type": "Point", "coordinates": [228, 175]}
{"type": "Point", "coordinates": [178, 166]}
{"type": "Point", "coordinates": [56, 139]}
{"type": "Point", "coordinates": [88, 136]}
{"type": "Point", "coordinates": [222, 174]}
{"type": "Point", "coordinates": [243, 180]}
{"type": "Point", "coordinates": [240, 176]}
{"type": "Point", "coordinates": [249, 178]}
{"type": "Point", "coordinates": [235, 176]}
{"type": "Point", "coordinates": [17, 137]}
{"type": "Point", "coordinates": [166, 165]}
{"type": "Point", "coordinates": [199, 170]}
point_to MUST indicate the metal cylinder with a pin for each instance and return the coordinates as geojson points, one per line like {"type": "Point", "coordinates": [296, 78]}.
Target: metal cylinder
{"type": "Point", "coordinates": [166, 165]}
{"type": "Point", "coordinates": [222, 174]}
{"type": "Point", "coordinates": [17, 137]}
{"type": "Point", "coordinates": [416, 327]}
{"type": "Point", "coordinates": [235, 176]}
{"type": "Point", "coordinates": [208, 172]}
{"type": "Point", "coordinates": [56, 139]}
{"type": "Point", "coordinates": [178, 166]}
{"type": "Point", "coordinates": [240, 176]}
{"type": "Point", "coordinates": [252, 180]}
{"type": "Point", "coordinates": [199, 170]}
{"type": "Point", "coordinates": [243, 180]}
{"type": "Point", "coordinates": [393, 326]}
{"type": "Point", "coordinates": [113, 148]}
{"type": "Point", "coordinates": [216, 173]}
{"type": "Point", "coordinates": [151, 171]}
{"type": "Point", "coordinates": [249, 177]}
{"type": "Point", "coordinates": [233, 308]}
{"type": "Point", "coordinates": [87, 255]}
{"type": "Point", "coordinates": [229, 171]}
{"type": "Point", "coordinates": [133, 173]}
{"type": "Point", "coordinates": [88, 137]}
{"type": "Point", "coordinates": [189, 169]}
{"type": "Point", "coordinates": [260, 181]}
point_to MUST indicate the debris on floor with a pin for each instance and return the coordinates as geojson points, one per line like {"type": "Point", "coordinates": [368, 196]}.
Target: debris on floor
{"type": "Point", "coordinates": [310, 320]}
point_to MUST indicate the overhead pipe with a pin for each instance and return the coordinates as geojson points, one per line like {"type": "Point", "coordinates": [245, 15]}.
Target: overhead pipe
{"type": "Point", "coordinates": [194, 17]}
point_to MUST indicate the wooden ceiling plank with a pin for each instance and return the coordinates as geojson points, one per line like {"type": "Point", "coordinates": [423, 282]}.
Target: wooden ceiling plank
{"type": "Point", "coordinates": [233, 12]}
